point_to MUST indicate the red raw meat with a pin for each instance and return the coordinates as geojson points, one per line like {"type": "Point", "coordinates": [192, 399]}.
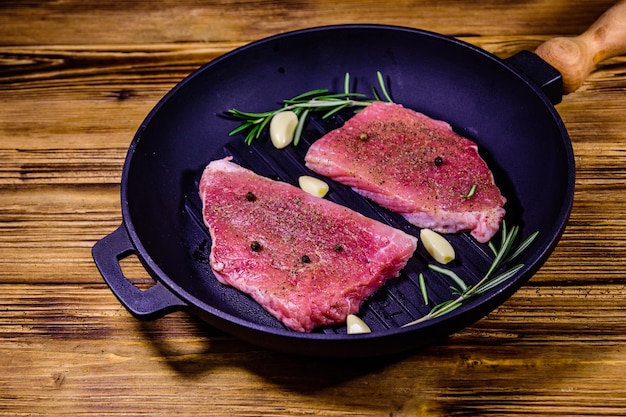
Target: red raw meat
{"type": "Point", "coordinates": [308, 261]}
{"type": "Point", "coordinates": [415, 166]}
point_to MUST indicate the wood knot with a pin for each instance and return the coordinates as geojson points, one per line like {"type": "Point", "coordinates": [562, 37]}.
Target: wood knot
{"type": "Point", "coordinates": [124, 94]}
{"type": "Point", "coordinates": [59, 378]}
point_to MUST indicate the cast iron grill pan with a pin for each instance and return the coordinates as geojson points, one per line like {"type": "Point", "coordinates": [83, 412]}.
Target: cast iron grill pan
{"type": "Point", "coordinates": [486, 99]}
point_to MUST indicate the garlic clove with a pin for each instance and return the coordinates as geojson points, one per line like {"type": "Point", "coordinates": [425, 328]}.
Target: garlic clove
{"type": "Point", "coordinates": [313, 186]}
{"type": "Point", "coordinates": [437, 246]}
{"type": "Point", "coordinates": [356, 326]}
{"type": "Point", "coordinates": [282, 128]}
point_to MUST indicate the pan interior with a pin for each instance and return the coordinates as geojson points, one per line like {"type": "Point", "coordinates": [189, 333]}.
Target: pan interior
{"type": "Point", "coordinates": [518, 132]}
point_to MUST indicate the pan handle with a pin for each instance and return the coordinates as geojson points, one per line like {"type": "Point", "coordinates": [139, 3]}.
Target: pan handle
{"type": "Point", "coordinates": [148, 304]}
{"type": "Point", "coordinates": [575, 57]}
{"type": "Point", "coordinates": [543, 75]}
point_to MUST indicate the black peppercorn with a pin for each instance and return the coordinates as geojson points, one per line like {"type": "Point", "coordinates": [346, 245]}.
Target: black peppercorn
{"type": "Point", "coordinates": [306, 259]}
{"type": "Point", "coordinates": [438, 161]}
{"type": "Point", "coordinates": [255, 246]}
{"type": "Point", "coordinates": [338, 247]}
{"type": "Point", "coordinates": [250, 196]}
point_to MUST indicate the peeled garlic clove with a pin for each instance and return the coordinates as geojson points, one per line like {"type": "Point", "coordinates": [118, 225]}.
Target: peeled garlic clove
{"type": "Point", "coordinates": [282, 128]}
{"type": "Point", "coordinates": [437, 246]}
{"type": "Point", "coordinates": [356, 325]}
{"type": "Point", "coordinates": [313, 186]}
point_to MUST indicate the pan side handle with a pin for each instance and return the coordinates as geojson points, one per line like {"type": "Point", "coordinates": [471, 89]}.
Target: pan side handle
{"type": "Point", "coordinates": [148, 304]}
{"type": "Point", "coordinates": [575, 57]}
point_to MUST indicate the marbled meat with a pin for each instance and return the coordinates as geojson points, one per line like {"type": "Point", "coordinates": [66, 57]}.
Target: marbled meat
{"type": "Point", "coordinates": [306, 260]}
{"type": "Point", "coordinates": [415, 166]}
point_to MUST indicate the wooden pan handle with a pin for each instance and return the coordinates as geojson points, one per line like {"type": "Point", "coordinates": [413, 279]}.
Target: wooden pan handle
{"type": "Point", "coordinates": [576, 57]}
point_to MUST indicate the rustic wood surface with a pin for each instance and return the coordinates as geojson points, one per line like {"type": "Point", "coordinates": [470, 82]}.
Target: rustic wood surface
{"type": "Point", "coordinates": [78, 77]}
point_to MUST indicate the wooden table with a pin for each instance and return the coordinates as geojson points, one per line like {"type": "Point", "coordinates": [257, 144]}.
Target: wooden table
{"type": "Point", "coordinates": [76, 80]}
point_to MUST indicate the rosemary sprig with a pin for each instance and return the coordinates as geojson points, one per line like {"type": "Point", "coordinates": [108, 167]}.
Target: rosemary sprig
{"type": "Point", "coordinates": [313, 101]}
{"type": "Point", "coordinates": [502, 255]}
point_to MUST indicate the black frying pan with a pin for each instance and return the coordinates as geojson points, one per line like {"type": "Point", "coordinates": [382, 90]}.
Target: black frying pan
{"type": "Point", "coordinates": [497, 103]}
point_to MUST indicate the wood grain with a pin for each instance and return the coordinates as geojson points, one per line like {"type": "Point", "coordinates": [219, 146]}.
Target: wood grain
{"type": "Point", "coordinates": [76, 80]}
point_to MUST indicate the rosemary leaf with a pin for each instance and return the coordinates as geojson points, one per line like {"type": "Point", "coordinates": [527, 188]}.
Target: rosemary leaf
{"type": "Point", "coordinates": [298, 133]}
{"type": "Point", "coordinates": [505, 246]}
{"type": "Point", "coordinates": [335, 110]}
{"type": "Point", "coordinates": [248, 115]}
{"type": "Point", "coordinates": [244, 126]}
{"type": "Point", "coordinates": [504, 234]}
{"type": "Point", "coordinates": [381, 83]}
{"type": "Point", "coordinates": [254, 131]}
{"type": "Point", "coordinates": [450, 274]}
{"type": "Point", "coordinates": [444, 308]}
{"type": "Point", "coordinates": [523, 246]}
{"type": "Point", "coordinates": [423, 288]}
{"type": "Point", "coordinates": [500, 279]}
{"type": "Point", "coordinates": [306, 94]}
{"type": "Point", "coordinates": [471, 192]}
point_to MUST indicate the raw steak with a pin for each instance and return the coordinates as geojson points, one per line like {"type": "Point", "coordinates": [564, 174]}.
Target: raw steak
{"type": "Point", "coordinates": [415, 166]}
{"type": "Point", "coordinates": [308, 261]}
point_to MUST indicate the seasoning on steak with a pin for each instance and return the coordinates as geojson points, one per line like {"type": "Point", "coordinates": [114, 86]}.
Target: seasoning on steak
{"type": "Point", "coordinates": [415, 166]}
{"type": "Point", "coordinates": [306, 260]}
